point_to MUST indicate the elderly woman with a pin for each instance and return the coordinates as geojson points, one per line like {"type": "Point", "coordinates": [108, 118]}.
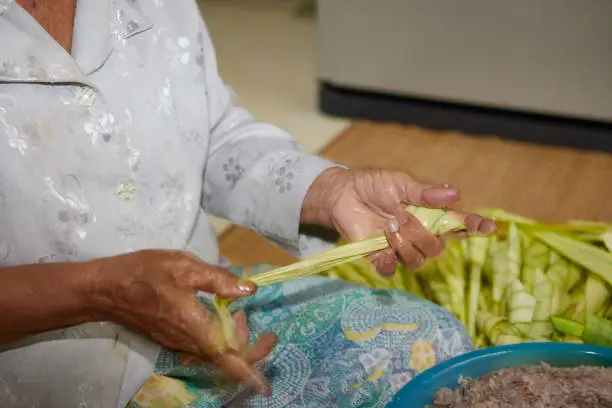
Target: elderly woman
{"type": "Point", "coordinates": [117, 138]}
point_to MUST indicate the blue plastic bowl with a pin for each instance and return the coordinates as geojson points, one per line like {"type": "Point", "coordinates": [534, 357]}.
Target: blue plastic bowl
{"type": "Point", "coordinates": [419, 392]}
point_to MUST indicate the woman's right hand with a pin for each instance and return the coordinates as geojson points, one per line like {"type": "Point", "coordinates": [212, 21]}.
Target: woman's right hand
{"type": "Point", "coordinates": [154, 291]}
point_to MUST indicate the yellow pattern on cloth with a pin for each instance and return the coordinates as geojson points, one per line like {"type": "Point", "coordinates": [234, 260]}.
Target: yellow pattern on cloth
{"type": "Point", "coordinates": [370, 334]}
{"type": "Point", "coordinates": [164, 392]}
{"type": "Point", "coordinates": [423, 356]}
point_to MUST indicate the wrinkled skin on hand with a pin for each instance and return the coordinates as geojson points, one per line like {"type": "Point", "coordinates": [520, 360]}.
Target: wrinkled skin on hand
{"type": "Point", "coordinates": [153, 291]}
{"type": "Point", "coordinates": [363, 203]}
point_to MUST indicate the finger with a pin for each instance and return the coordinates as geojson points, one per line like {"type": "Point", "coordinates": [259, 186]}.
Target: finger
{"type": "Point", "coordinates": [425, 195]}
{"type": "Point", "coordinates": [439, 196]}
{"type": "Point", "coordinates": [239, 369]}
{"type": "Point", "coordinates": [475, 223]}
{"type": "Point", "coordinates": [242, 330]}
{"type": "Point", "coordinates": [385, 262]}
{"type": "Point", "coordinates": [202, 327]}
{"type": "Point", "coordinates": [261, 348]}
{"type": "Point", "coordinates": [410, 229]}
{"type": "Point", "coordinates": [409, 255]}
{"type": "Point", "coordinates": [220, 281]}
{"type": "Point", "coordinates": [207, 335]}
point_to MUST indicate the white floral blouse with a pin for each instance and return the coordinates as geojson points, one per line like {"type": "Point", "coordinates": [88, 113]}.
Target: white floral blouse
{"type": "Point", "coordinates": [122, 145]}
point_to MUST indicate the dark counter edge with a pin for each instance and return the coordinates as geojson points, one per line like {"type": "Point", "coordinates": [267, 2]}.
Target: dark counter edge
{"type": "Point", "coordinates": [475, 120]}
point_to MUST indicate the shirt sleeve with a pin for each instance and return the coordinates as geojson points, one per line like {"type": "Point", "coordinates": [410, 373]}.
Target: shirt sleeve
{"type": "Point", "coordinates": [256, 175]}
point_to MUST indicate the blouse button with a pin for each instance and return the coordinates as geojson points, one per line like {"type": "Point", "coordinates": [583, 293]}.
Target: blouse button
{"type": "Point", "coordinates": [126, 190]}
{"type": "Point", "coordinates": [85, 96]}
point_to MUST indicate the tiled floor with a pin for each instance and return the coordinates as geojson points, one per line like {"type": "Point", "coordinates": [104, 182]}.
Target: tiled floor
{"type": "Point", "coordinates": [268, 55]}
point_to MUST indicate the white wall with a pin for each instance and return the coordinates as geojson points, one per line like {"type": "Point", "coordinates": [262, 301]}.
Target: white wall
{"type": "Point", "coordinates": [551, 56]}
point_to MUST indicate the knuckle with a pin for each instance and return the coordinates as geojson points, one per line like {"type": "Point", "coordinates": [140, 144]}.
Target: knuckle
{"type": "Point", "coordinates": [472, 221]}
{"type": "Point", "coordinates": [184, 261]}
{"type": "Point", "coordinates": [182, 264]}
{"type": "Point", "coordinates": [386, 264]}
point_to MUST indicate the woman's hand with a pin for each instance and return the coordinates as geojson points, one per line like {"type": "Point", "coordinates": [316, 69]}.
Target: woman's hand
{"type": "Point", "coordinates": [154, 291]}
{"type": "Point", "coordinates": [363, 203]}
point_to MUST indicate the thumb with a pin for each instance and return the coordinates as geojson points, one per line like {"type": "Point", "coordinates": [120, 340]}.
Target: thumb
{"type": "Point", "coordinates": [433, 196]}
{"type": "Point", "coordinates": [222, 282]}
{"type": "Point", "coordinates": [440, 196]}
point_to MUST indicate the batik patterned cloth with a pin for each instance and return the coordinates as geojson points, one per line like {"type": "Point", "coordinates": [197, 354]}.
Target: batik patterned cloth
{"type": "Point", "coordinates": [340, 345]}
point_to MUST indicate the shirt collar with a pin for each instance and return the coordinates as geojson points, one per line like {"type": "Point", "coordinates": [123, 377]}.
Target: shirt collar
{"type": "Point", "coordinates": [92, 36]}
{"type": "Point", "coordinates": [31, 55]}
{"type": "Point", "coordinates": [34, 56]}
{"type": "Point", "coordinates": [130, 18]}
{"type": "Point", "coordinates": [98, 23]}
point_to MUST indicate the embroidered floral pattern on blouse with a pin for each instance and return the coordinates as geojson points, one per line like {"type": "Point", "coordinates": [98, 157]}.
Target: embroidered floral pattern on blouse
{"type": "Point", "coordinates": [284, 174]}
{"type": "Point", "coordinates": [233, 171]}
{"type": "Point", "coordinates": [9, 69]}
{"type": "Point", "coordinates": [101, 128]}
{"type": "Point", "coordinates": [179, 53]}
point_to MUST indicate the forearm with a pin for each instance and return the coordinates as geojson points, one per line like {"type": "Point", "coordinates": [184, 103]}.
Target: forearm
{"type": "Point", "coordinates": [39, 298]}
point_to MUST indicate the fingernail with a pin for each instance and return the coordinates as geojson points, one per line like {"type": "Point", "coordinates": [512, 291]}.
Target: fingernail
{"type": "Point", "coordinates": [443, 187]}
{"type": "Point", "coordinates": [246, 286]}
{"type": "Point", "coordinates": [393, 225]}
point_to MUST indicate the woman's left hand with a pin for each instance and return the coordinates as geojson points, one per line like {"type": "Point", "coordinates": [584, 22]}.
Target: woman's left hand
{"type": "Point", "coordinates": [363, 203]}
